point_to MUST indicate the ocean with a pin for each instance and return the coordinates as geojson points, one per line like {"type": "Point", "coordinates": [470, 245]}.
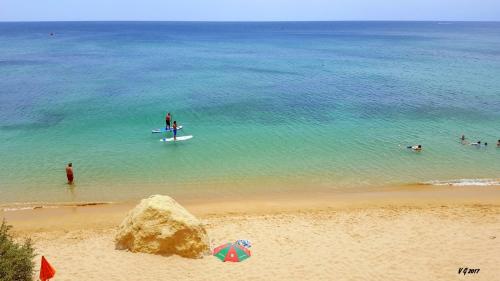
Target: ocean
{"type": "Point", "coordinates": [272, 107]}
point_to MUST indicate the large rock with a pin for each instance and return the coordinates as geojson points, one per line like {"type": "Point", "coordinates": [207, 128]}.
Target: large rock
{"type": "Point", "coordinates": [159, 225]}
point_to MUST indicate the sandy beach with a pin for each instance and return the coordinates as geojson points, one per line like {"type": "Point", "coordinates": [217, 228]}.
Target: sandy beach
{"type": "Point", "coordinates": [400, 235]}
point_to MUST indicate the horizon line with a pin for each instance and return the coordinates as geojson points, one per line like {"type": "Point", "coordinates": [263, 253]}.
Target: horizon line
{"type": "Point", "coordinates": [246, 21]}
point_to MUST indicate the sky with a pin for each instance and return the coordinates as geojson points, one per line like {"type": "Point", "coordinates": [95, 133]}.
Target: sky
{"type": "Point", "coordinates": [249, 10]}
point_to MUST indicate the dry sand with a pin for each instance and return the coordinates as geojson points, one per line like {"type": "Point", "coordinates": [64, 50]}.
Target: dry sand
{"type": "Point", "coordinates": [389, 236]}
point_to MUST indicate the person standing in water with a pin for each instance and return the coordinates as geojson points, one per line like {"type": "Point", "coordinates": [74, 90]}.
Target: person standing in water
{"type": "Point", "coordinates": [69, 173]}
{"type": "Point", "coordinates": [174, 128]}
{"type": "Point", "coordinates": [167, 121]}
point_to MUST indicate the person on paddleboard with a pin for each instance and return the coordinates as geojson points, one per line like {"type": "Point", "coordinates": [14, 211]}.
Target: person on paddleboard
{"type": "Point", "coordinates": [167, 120]}
{"type": "Point", "coordinates": [174, 127]}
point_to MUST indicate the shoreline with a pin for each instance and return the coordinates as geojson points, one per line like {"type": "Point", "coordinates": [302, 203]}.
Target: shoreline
{"type": "Point", "coordinates": [107, 215]}
{"type": "Point", "coordinates": [269, 191]}
{"type": "Point", "coordinates": [77, 195]}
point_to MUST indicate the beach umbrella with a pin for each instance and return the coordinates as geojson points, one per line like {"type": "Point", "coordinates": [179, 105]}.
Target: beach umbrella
{"type": "Point", "coordinates": [231, 252]}
{"type": "Point", "coordinates": [46, 270]}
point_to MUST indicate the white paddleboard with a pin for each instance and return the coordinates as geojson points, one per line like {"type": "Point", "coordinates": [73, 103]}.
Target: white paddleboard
{"type": "Point", "coordinates": [163, 130]}
{"type": "Point", "coordinates": [182, 138]}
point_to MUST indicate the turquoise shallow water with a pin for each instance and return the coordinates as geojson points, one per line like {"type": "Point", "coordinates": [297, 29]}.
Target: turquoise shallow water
{"type": "Point", "coordinates": [275, 106]}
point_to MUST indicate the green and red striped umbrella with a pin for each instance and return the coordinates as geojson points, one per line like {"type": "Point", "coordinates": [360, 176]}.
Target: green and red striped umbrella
{"type": "Point", "coordinates": [231, 252]}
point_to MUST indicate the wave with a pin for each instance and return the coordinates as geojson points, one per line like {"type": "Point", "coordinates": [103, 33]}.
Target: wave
{"type": "Point", "coordinates": [34, 205]}
{"type": "Point", "coordinates": [465, 182]}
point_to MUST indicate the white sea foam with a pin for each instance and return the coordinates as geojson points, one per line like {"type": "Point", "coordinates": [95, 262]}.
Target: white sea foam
{"type": "Point", "coordinates": [32, 205]}
{"type": "Point", "coordinates": [465, 182]}
{"type": "Point", "coordinates": [17, 209]}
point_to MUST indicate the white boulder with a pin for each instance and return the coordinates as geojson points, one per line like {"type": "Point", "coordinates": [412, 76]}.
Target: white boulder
{"type": "Point", "coordinates": [159, 225]}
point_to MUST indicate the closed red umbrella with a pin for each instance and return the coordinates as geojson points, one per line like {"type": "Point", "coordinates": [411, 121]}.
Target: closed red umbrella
{"type": "Point", "coordinates": [46, 270]}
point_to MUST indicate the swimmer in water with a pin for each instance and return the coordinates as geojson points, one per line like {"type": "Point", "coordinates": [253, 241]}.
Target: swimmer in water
{"type": "Point", "coordinates": [498, 143]}
{"type": "Point", "coordinates": [463, 140]}
{"type": "Point", "coordinates": [416, 148]}
{"type": "Point", "coordinates": [478, 143]}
